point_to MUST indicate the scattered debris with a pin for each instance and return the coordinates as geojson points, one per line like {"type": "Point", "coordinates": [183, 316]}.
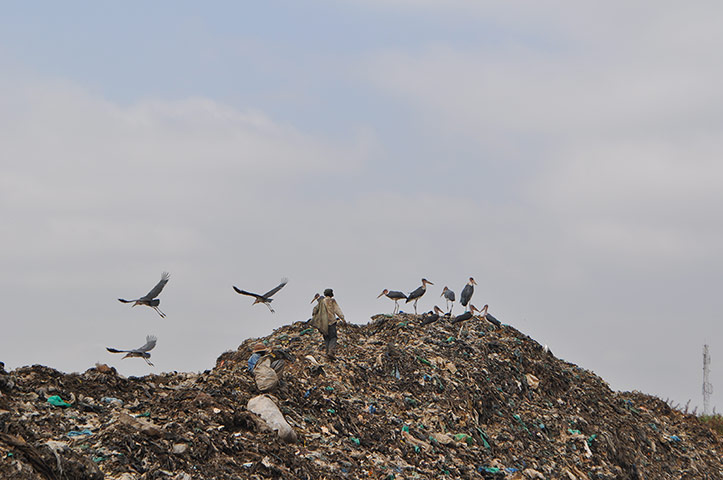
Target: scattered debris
{"type": "Point", "coordinates": [401, 400]}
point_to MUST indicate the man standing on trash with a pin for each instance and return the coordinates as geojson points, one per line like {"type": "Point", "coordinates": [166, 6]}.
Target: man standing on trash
{"type": "Point", "coordinates": [324, 318]}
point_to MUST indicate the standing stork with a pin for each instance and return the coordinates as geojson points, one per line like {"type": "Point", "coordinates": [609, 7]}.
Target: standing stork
{"type": "Point", "coordinates": [394, 295]}
{"type": "Point", "coordinates": [418, 293]}
{"type": "Point", "coordinates": [449, 296]}
{"type": "Point", "coordinates": [489, 317]}
{"type": "Point", "coordinates": [467, 292]}
{"type": "Point", "coordinates": [149, 299]}
{"type": "Point", "coordinates": [266, 297]}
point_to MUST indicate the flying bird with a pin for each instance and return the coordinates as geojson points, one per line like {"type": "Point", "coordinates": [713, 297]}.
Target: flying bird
{"type": "Point", "coordinates": [266, 297]}
{"type": "Point", "coordinates": [394, 295]}
{"type": "Point", "coordinates": [418, 293]}
{"type": "Point", "coordinates": [138, 352]}
{"type": "Point", "coordinates": [449, 296]}
{"type": "Point", "coordinates": [467, 292]}
{"type": "Point", "coordinates": [150, 299]}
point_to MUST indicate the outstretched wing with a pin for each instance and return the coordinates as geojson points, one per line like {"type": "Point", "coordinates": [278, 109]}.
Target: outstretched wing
{"type": "Point", "coordinates": [244, 292]}
{"type": "Point", "coordinates": [150, 343]}
{"type": "Point", "coordinates": [125, 301]}
{"type": "Point", "coordinates": [284, 281]}
{"type": "Point", "coordinates": [157, 289]}
{"type": "Point", "coordinates": [115, 350]}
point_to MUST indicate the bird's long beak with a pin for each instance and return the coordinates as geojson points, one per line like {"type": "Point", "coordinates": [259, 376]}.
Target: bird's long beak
{"type": "Point", "coordinates": [473, 281]}
{"type": "Point", "coordinates": [380, 294]}
{"type": "Point", "coordinates": [315, 298]}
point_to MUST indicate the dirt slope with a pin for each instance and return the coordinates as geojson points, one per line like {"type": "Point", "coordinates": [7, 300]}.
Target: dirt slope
{"type": "Point", "coordinates": [402, 400]}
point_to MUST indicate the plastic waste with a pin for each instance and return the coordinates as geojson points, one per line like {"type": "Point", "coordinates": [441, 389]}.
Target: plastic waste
{"type": "Point", "coordinates": [79, 433]}
{"type": "Point", "coordinates": [56, 401]}
{"type": "Point", "coordinates": [463, 437]}
{"type": "Point", "coordinates": [112, 401]}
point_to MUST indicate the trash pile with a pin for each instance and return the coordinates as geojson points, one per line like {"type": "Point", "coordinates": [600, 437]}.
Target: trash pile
{"type": "Point", "coordinates": [401, 400]}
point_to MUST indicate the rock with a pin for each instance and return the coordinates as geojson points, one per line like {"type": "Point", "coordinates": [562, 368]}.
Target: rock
{"type": "Point", "coordinates": [140, 424]}
{"type": "Point", "coordinates": [180, 448]}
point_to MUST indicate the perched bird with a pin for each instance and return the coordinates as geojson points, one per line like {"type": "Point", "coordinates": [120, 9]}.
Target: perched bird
{"type": "Point", "coordinates": [394, 295]}
{"type": "Point", "coordinates": [138, 352]}
{"type": "Point", "coordinates": [467, 292]}
{"type": "Point", "coordinates": [266, 297]}
{"type": "Point", "coordinates": [432, 316]}
{"type": "Point", "coordinates": [489, 317]}
{"type": "Point", "coordinates": [449, 296]}
{"type": "Point", "coordinates": [150, 299]}
{"type": "Point", "coordinates": [317, 297]}
{"type": "Point", "coordinates": [418, 293]}
{"type": "Point", "coordinates": [466, 315]}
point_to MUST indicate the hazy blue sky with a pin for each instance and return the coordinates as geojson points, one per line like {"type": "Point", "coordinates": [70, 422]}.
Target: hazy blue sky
{"type": "Point", "coordinates": [565, 155]}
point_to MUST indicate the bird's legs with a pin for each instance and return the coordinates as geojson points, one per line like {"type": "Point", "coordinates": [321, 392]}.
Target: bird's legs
{"type": "Point", "coordinates": [269, 305]}
{"type": "Point", "coordinates": [148, 361]}
{"type": "Point", "coordinates": [163, 315]}
{"type": "Point", "coordinates": [415, 305]}
{"type": "Point", "coordinates": [396, 307]}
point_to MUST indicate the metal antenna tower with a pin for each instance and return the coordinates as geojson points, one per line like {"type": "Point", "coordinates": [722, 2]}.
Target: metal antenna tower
{"type": "Point", "coordinates": [707, 386]}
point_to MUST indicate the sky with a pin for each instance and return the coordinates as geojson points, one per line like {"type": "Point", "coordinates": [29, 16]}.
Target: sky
{"type": "Point", "coordinates": [564, 155]}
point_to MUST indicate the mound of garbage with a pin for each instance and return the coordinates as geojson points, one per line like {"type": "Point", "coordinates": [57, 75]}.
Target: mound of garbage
{"type": "Point", "coordinates": [402, 399]}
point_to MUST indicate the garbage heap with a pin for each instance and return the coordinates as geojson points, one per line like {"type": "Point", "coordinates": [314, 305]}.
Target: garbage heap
{"type": "Point", "coordinates": [401, 400]}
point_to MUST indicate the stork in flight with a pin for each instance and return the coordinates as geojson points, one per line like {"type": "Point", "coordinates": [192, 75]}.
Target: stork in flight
{"type": "Point", "coordinates": [149, 299]}
{"type": "Point", "coordinates": [418, 293]}
{"type": "Point", "coordinates": [141, 352]}
{"type": "Point", "coordinates": [394, 295]}
{"type": "Point", "coordinates": [449, 296]}
{"type": "Point", "coordinates": [266, 297]}
{"type": "Point", "coordinates": [467, 292]}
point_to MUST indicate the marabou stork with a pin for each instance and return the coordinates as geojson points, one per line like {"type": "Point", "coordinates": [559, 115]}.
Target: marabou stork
{"type": "Point", "coordinates": [432, 316]}
{"type": "Point", "coordinates": [489, 317]}
{"type": "Point", "coordinates": [449, 296]}
{"type": "Point", "coordinates": [418, 293]}
{"type": "Point", "coordinates": [138, 352]}
{"type": "Point", "coordinates": [467, 292]}
{"type": "Point", "coordinates": [317, 297]}
{"type": "Point", "coordinates": [394, 295]}
{"type": "Point", "coordinates": [149, 299]}
{"type": "Point", "coordinates": [266, 297]}
{"type": "Point", "coordinates": [466, 315]}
